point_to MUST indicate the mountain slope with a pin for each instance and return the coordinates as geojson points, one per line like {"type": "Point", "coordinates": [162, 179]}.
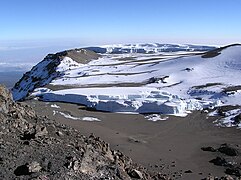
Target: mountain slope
{"type": "Point", "coordinates": [166, 82]}
{"type": "Point", "coordinates": [149, 48]}
{"type": "Point", "coordinates": [45, 71]}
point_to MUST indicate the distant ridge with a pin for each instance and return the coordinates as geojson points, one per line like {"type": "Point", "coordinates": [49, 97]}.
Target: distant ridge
{"type": "Point", "coordinates": [149, 48]}
{"type": "Point", "coordinates": [217, 51]}
{"type": "Point", "coordinates": [46, 70]}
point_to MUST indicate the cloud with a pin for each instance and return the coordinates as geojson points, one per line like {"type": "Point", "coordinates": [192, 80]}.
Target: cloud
{"type": "Point", "coordinates": [21, 67]}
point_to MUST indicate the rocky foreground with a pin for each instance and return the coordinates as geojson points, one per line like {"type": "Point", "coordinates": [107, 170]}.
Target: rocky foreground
{"type": "Point", "coordinates": [33, 147]}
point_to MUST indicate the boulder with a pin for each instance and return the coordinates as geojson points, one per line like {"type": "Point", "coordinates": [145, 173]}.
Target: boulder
{"type": "Point", "coordinates": [228, 150]}
{"type": "Point", "coordinates": [5, 99]}
{"type": "Point", "coordinates": [34, 167]}
{"type": "Point", "coordinates": [219, 161]}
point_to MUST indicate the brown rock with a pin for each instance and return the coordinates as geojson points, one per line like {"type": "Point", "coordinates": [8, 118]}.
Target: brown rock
{"type": "Point", "coordinates": [34, 167]}
{"type": "Point", "coordinates": [228, 177]}
{"type": "Point", "coordinates": [228, 150]}
{"type": "Point", "coordinates": [41, 131]}
{"type": "Point", "coordinates": [136, 174]}
{"type": "Point", "coordinates": [5, 99]}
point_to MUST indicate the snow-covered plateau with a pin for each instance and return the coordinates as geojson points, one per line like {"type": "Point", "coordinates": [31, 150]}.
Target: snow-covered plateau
{"type": "Point", "coordinates": [138, 78]}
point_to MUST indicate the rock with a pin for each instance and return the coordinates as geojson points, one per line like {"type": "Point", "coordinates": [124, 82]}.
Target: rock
{"type": "Point", "coordinates": [160, 176]}
{"type": "Point", "coordinates": [42, 177]}
{"type": "Point", "coordinates": [46, 164]}
{"type": "Point", "coordinates": [136, 174]}
{"type": "Point", "coordinates": [189, 69]}
{"type": "Point", "coordinates": [28, 135]}
{"type": "Point", "coordinates": [22, 170]}
{"type": "Point", "coordinates": [233, 171]}
{"type": "Point", "coordinates": [157, 80]}
{"type": "Point", "coordinates": [59, 133]}
{"type": "Point", "coordinates": [228, 150]}
{"type": "Point", "coordinates": [41, 131]}
{"type": "Point", "coordinates": [228, 177]}
{"type": "Point", "coordinates": [72, 163]}
{"type": "Point", "coordinates": [210, 149]}
{"type": "Point", "coordinates": [218, 161]}
{"type": "Point", "coordinates": [76, 165]}
{"type": "Point", "coordinates": [5, 99]}
{"type": "Point", "coordinates": [237, 119]}
{"type": "Point", "coordinates": [34, 167]}
{"type": "Point", "coordinates": [27, 169]}
{"type": "Point", "coordinates": [188, 171]}
{"type": "Point", "coordinates": [55, 151]}
{"type": "Point", "coordinates": [211, 178]}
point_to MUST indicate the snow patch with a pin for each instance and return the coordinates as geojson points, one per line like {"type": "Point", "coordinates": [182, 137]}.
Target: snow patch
{"type": "Point", "coordinates": [90, 119]}
{"type": "Point", "coordinates": [156, 117]}
{"type": "Point", "coordinates": [229, 118]}
{"type": "Point", "coordinates": [213, 113]}
{"type": "Point", "coordinates": [67, 64]}
{"type": "Point", "coordinates": [68, 116]}
{"type": "Point", "coordinates": [55, 106]}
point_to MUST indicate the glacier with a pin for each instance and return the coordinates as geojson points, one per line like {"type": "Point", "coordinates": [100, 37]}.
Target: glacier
{"type": "Point", "coordinates": [158, 80]}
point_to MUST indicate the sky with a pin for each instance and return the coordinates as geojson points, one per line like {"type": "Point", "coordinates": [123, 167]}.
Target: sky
{"type": "Point", "coordinates": [93, 22]}
{"type": "Point", "coordinates": [30, 29]}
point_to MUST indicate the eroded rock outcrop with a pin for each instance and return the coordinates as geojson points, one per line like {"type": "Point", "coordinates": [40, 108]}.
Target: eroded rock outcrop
{"type": "Point", "coordinates": [46, 70]}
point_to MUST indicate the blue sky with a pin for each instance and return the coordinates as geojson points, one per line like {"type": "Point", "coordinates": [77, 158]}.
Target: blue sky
{"type": "Point", "coordinates": [93, 22]}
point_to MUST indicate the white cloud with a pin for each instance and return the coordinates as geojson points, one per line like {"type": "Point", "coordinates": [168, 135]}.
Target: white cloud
{"type": "Point", "coordinates": [22, 67]}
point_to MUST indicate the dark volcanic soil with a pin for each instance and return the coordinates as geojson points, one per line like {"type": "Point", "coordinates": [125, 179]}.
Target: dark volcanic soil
{"type": "Point", "coordinates": [172, 147]}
